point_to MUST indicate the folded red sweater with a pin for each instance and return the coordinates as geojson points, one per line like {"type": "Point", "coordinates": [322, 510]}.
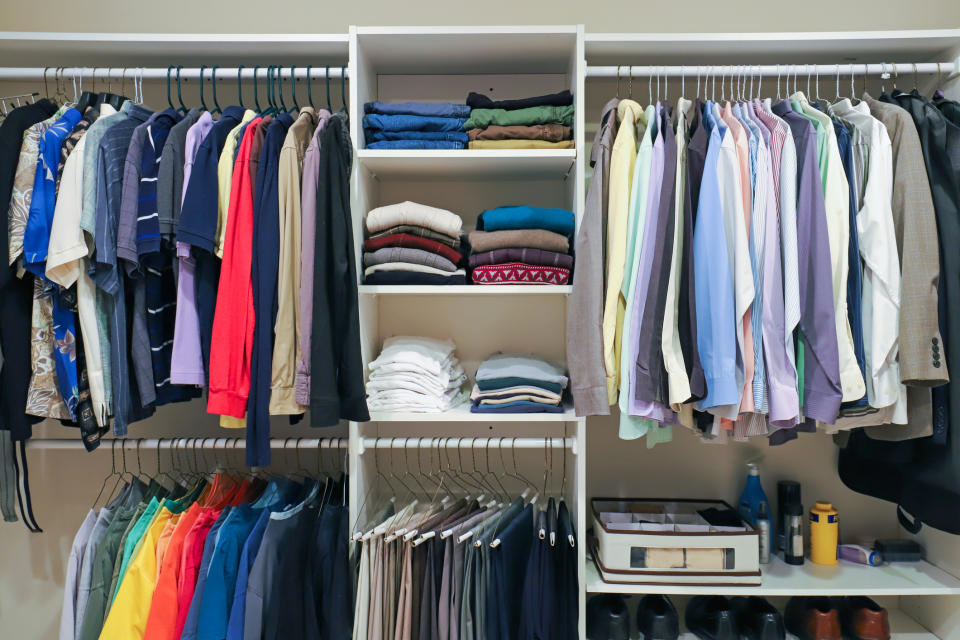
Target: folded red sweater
{"type": "Point", "coordinates": [413, 242]}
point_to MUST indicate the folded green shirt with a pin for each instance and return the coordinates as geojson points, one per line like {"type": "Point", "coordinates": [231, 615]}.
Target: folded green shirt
{"type": "Point", "coordinates": [482, 118]}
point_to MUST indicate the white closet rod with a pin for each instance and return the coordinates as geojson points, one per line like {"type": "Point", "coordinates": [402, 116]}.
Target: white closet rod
{"type": "Point", "coordinates": [187, 444]}
{"type": "Point", "coordinates": [467, 443]}
{"type": "Point", "coordinates": [947, 69]}
{"type": "Point", "coordinates": [116, 74]}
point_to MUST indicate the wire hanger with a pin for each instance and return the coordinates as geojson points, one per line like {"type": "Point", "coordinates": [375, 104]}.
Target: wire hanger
{"type": "Point", "coordinates": [630, 83]}
{"type": "Point", "coordinates": [113, 472]}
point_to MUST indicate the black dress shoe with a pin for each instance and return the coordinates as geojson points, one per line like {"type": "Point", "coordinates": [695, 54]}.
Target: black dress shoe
{"type": "Point", "coordinates": [657, 619]}
{"type": "Point", "coordinates": [758, 619]}
{"type": "Point", "coordinates": [712, 618]}
{"type": "Point", "coordinates": [607, 618]}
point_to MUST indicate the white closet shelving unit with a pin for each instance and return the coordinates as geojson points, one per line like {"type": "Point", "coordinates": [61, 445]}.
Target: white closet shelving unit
{"type": "Point", "coordinates": [444, 63]}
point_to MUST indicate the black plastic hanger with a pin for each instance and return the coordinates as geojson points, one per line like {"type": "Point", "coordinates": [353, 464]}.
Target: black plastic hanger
{"type": "Point", "coordinates": [278, 73]}
{"type": "Point", "coordinates": [169, 101]}
{"type": "Point", "coordinates": [327, 74]}
{"type": "Point", "coordinates": [343, 89]}
{"type": "Point", "coordinates": [105, 97]}
{"type": "Point", "coordinates": [86, 97]}
{"type": "Point", "coordinates": [256, 92]}
{"type": "Point", "coordinates": [213, 85]}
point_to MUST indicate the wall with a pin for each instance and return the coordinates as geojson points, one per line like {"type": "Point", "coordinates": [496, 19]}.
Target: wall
{"type": "Point", "coordinates": [603, 15]}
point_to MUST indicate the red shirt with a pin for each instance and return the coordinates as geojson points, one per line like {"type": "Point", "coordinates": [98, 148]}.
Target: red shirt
{"type": "Point", "coordinates": [190, 558]}
{"type": "Point", "coordinates": [231, 343]}
{"type": "Point", "coordinates": [413, 242]}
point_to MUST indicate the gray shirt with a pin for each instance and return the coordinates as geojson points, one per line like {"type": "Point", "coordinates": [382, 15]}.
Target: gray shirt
{"type": "Point", "coordinates": [585, 304]}
{"type": "Point", "coordinates": [170, 173]}
{"type": "Point", "coordinates": [501, 365]}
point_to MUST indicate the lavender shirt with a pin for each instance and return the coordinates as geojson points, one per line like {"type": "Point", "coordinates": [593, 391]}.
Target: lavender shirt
{"type": "Point", "coordinates": [822, 392]}
{"type": "Point", "coordinates": [652, 410]}
{"type": "Point", "coordinates": [186, 359]}
{"type": "Point", "coordinates": [308, 232]}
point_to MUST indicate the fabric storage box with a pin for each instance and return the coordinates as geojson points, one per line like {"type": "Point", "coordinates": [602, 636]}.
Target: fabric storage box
{"type": "Point", "coordinates": [650, 541]}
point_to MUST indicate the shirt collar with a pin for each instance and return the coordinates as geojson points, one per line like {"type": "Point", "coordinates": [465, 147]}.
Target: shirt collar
{"type": "Point", "coordinates": [235, 113]}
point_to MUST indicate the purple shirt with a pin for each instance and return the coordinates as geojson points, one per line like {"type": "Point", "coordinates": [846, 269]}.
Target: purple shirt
{"type": "Point", "coordinates": [186, 359]}
{"type": "Point", "coordinates": [308, 230]}
{"type": "Point", "coordinates": [652, 410]}
{"type": "Point", "coordinates": [822, 393]}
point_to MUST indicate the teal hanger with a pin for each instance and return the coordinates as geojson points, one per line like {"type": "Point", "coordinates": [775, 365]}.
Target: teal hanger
{"type": "Point", "coordinates": [278, 72]}
{"type": "Point", "coordinates": [309, 86]}
{"type": "Point", "coordinates": [343, 89]}
{"type": "Point", "coordinates": [169, 100]}
{"type": "Point", "coordinates": [271, 104]}
{"type": "Point", "coordinates": [326, 72]}
{"type": "Point", "coordinates": [183, 108]}
{"type": "Point", "coordinates": [203, 103]}
{"type": "Point", "coordinates": [240, 85]}
{"type": "Point", "coordinates": [293, 89]}
{"type": "Point", "coordinates": [256, 96]}
{"type": "Point", "coordinates": [213, 84]}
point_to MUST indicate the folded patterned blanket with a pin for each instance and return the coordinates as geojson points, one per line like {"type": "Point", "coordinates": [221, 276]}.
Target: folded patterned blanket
{"type": "Point", "coordinates": [519, 273]}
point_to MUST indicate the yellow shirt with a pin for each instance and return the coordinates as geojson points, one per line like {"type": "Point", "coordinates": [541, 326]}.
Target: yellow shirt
{"type": "Point", "coordinates": [127, 619]}
{"type": "Point", "coordinates": [622, 159]}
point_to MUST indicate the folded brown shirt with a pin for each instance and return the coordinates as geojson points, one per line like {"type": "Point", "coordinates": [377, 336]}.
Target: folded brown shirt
{"type": "Point", "coordinates": [550, 132]}
{"type": "Point", "coordinates": [520, 238]}
{"type": "Point", "coordinates": [525, 255]}
{"type": "Point", "coordinates": [423, 232]}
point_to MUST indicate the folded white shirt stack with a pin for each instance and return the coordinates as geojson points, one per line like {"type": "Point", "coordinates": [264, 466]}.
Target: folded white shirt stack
{"type": "Point", "coordinates": [416, 374]}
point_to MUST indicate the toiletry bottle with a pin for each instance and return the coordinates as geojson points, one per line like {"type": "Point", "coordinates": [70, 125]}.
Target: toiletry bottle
{"type": "Point", "coordinates": [793, 537]}
{"type": "Point", "coordinates": [763, 524]}
{"type": "Point", "coordinates": [788, 492]}
{"type": "Point", "coordinates": [751, 498]}
{"type": "Point", "coordinates": [824, 533]}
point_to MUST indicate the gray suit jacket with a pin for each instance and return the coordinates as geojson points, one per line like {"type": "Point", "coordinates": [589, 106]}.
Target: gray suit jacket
{"type": "Point", "coordinates": [918, 246]}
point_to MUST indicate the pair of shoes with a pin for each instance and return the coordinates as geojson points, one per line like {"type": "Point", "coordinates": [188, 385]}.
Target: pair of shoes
{"type": "Point", "coordinates": [821, 618]}
{"type": "Point", "coordinates": [608, 619]}
{"type": "Point", "coordinates": [719, 618]}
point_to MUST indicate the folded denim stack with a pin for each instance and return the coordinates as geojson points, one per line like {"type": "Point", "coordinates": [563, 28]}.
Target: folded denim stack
{"type": "Point", "coordinates": [411, 243]}
{"type": "Point", "coordinates": [416, 374]}
{"type": "Point", "coordinates": [518, 384]}
{"type": "Point", "coordinates": [522, 245]}
{"type": "Point", "coordinates": [540, 122]}
{"type": "Point", "coordinates": [415, 125]}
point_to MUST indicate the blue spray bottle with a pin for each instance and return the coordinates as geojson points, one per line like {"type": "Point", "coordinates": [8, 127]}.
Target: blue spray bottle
{"type": "Point", "coordinates": [753, 496]}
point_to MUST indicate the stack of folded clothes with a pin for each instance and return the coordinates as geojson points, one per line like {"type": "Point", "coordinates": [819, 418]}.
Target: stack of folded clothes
{"type": "Point", "coordinates": [415, 125]}
{"type": "Point", "coordinates": [541, 122]}
{"type": "Point", "coordinates": [416, 374]}
{"type": "Point", "coordinates": [411, 243]}
{"type": "Point", "coordinates": [518, 384]}
{"type": "Point", "coordinates": [522, 245]}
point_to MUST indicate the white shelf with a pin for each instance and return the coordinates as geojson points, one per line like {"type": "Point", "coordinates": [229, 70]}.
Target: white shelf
{"type": "Point", "coordinates": [790, 47]}
{"type": "Point", "coordinates": [462, 414]}
{"type": "Point", "coordinates": [781, 579]}
{"type": "Point", "coordinates": [466, 290]}
{"type": "Point", "coordinates": [452, 164]}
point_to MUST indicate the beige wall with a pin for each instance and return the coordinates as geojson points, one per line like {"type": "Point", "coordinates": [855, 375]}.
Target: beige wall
{"type": "Point", "coordinates": [597, 15]}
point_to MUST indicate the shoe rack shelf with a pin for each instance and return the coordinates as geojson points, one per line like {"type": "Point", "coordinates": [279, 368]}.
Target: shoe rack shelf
{"type": "Point", "coordinates": [782, 579]}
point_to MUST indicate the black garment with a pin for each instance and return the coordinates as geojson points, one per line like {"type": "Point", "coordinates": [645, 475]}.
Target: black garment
{"type": "Point", "coordinates": [330, 574]}
{"type": "Point", "coordinates": [413, 277]}
{"type": "Point", "coordinates": [16, 295]}
{"type": "Point", "coordinates": [650, 374]}
{"type": "Point", "coordinates": [506, 580]}
{"type": "Point", "coordinates": [950, 108]}
{"type": "Point", "coordinates": [480, 101]}
{"type": "Point", "coordinates": [336, 388]}
{"type": "Point", "coordinates": [287, 613]}
{"type": "Point", "coordinates": [687, 308]}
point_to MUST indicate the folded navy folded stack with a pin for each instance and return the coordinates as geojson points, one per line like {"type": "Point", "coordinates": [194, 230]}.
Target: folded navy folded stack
{"type": "Point", "coordinates": [518, 383]}
{"type": "Point", "coordinates": [415, 125]}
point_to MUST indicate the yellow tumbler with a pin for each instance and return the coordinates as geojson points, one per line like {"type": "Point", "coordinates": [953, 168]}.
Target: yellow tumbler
{"type": "Point", "coordinates": [824, 533]}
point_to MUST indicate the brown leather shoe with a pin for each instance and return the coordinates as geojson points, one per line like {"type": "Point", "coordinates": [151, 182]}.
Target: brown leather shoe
{"type": "Point", "coordinates": [864, 619]}
{"type": "Point", "coordinates": [813, 619]}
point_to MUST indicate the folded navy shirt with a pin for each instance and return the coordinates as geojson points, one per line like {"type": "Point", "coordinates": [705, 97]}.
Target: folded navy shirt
{"type": "Point", "coordinates": [406, 122]}
{"type": "Point", "coordinates": [437, 109]}
{"type": "Point", "coordinates": [525, 217]}
{"type": "Point", "coordinates": [480, 101]}
{"type": "Point", "coordinates": [519, 406]}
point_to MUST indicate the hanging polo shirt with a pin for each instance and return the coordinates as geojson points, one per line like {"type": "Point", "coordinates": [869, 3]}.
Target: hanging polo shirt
{"type": "Point", "coordinates": [225, 178]}
{"type": "Point", "coordinates": [170, 173]}
{"type": "Point", "coordinates": [192, 612]}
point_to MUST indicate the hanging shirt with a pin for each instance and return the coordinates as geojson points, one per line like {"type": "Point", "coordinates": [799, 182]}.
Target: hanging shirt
{"type": "Point", "coordinates": [837, 206]}
{"type": "Point", "coordinates": [287, 325]}
{"type": "Point", "coordinates": [308, 209]}
{"type": "Point", "coordinates": [170, 182]}
{"type": "Point", "coordinates": [72, 577]}
{"type": "Point", "coordinates": [635, 426]}
{"type": "Point", "coordinates": [191, 563]}
{"type": "Point", "coordinates": [225, 178]}
{"type": "Point", "coordinates": [621, 170]}
{"type": "Point", "coordinates": [822, 393]}
{"type": "Point", "coordinates": [23, 181]}
{"type": "Point", "coordinates": [716, 310]}
{"type": "Point", "coordinates": [162, 619]}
